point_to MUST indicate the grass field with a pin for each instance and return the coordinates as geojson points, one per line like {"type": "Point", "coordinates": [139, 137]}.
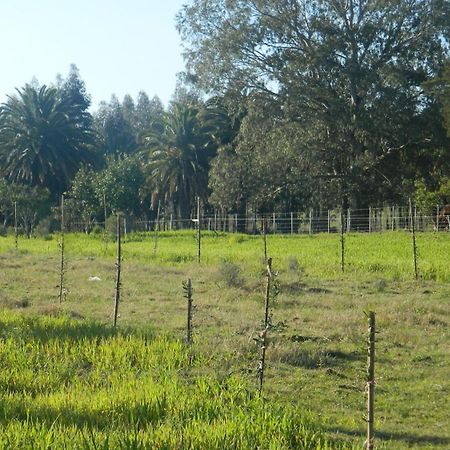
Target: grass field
{"type": "Point", "coordinates": [66, 377]}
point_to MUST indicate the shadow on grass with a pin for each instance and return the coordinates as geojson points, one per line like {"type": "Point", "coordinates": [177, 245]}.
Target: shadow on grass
{"type": "Point", "coordinates": [313, 358]}
{"type": "Point", "coordinates": [62, 327]}
{"type": "Point", "coordinates": [409, 438]}
{"type": "Point", "coordinates": [143, 413]}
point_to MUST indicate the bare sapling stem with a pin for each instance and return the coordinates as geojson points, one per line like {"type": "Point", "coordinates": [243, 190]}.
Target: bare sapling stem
{"type": "Point", "coordinates": [342, 243]}
{"type": "Point", "coordinates": [413, 234]}
{"type": "Point", "coordinates": [199, 231]}
{"type": "Point", "coordinates": [187, 288]}
{"type": "Point", "coordinates": [155, 238]}
{"type": "Point", "coordinates": [118, 270]}
{"type": "Point", "coordinates": [62, 261]}
{"type": "Point", "coordinates": [16, 228]}
{"type": "Point", "coordinates": [263, 334]}
{"type": "Point", "coordinates": [370, 382]}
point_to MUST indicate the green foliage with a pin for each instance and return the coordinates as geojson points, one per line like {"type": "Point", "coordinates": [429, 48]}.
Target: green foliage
{"type": "Point", "coordinates": [440, 88]}
{"type": "Point", "coordinates": [43, 137]}
{"type": "Point", "coordinates": [333, 91]}
{"type": "Point", "coordinates": [83, 203]}
{"type": "Point", "coordinates": [121, 182]}
{"type": "Point", "coordinates": [427, 200]}
{"type": "Point", "coordinates": [32, 204]}
{"type": "Point", "coordinates": [179, 150]}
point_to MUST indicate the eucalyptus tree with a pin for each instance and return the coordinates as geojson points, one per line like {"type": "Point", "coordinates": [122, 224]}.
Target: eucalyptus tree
{"type": "Point", "coordinates": [43, 138]}
{"type": "Point", "coordinates": [346, 75]}
{"type": "Point", "coordinates": [114, 125]}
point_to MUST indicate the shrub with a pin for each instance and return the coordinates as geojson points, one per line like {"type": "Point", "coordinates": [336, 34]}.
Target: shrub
{"type": "Point", "coordinates": [230, 274]}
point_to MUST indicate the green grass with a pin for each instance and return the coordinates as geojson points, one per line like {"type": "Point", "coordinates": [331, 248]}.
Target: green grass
{"type": "Point", "coordinates": [72, 384]}
{"type": "Point", "coordinates": [316, 356]}
{"type": "Point", "coordinates": [374, 255]}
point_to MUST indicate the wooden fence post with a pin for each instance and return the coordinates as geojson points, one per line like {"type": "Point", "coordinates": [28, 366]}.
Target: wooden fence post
{"type": "Point", "coordinates": [292, 223]}
{"type": "Point", "coordinates": [328, 221]}
{"type": "Point", "coordinates": [62, 261]}
{"type": "Point", "coordinates": [348, 220]}
{"type": "Point", "coordinates": [310, 221]}
{"type": "Point", "coordinates": [118, 270]}
{"type": "Point", "coordinates": [199, 232]}
{"type": "Point", "coordinates": [413, 233]}
{"type": "Point", "coordinates": [370, 219]}
{"type": "Point", "coordinates": [371, 382]}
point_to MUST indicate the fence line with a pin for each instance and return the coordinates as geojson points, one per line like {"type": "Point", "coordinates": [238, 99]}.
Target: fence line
{"type": "Point", "coordinates": [312, 221]}
{"type": "Point", "coordinates": [368, 220]}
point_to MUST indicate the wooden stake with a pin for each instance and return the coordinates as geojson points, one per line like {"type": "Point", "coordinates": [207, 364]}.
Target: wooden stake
{"type": "Point", "coordinates": [263, 334]}
{"type": "Point", "coordinates": [371, 382]}
{"type": "Point", "coordinates": [292, 223]}
{"type": "Point", "coordinates": [187, 287]}
{"type": "Point", "coordinates": [413, 234]}
{"type": "Point", "coordinates": [118, 270]}
{"type": "Point", "coordinates": [61, 245]}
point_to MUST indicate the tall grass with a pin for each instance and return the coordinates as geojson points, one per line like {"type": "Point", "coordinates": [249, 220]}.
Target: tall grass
{"type": "Point", "coordinates": [77, 384]}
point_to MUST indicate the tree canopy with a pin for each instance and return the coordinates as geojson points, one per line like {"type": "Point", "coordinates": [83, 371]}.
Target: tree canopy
{"type": "Point", "coordinates": [344, 76]}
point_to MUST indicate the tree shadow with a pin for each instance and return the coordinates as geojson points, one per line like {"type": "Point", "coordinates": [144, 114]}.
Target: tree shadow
{"type": "Point", "coordinates": [409, 438]}
{"type": "Point", "coordinates": [61, 327]}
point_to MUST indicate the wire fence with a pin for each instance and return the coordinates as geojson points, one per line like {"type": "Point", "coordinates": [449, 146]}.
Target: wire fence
{"type": "Point", "coordinates": [368, 220]}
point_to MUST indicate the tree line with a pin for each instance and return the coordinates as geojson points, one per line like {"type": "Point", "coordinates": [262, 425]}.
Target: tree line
{"type": "Point", "coordinates": [284, 104]}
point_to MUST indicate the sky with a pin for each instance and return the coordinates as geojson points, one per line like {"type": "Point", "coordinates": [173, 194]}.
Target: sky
{"type": "Point", "coordinates": [119, 46]}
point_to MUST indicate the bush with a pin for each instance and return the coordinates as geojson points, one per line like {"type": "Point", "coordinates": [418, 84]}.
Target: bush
{"type": "Point", "coordinates": [230, 274]}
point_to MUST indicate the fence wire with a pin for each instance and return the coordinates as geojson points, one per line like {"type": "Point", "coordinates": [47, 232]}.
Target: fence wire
{"type": "Point", "coordinates": [368, 220]}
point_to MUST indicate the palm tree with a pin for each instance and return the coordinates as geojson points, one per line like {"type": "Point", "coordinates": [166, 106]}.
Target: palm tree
{"type": "Point", "coordinates": [179, 154]}
{"type": "Point", "coordinates": [43, 139]}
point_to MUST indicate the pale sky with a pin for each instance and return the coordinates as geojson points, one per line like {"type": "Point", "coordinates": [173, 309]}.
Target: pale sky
{"type": "Point", "coordinates": [119, 46]}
